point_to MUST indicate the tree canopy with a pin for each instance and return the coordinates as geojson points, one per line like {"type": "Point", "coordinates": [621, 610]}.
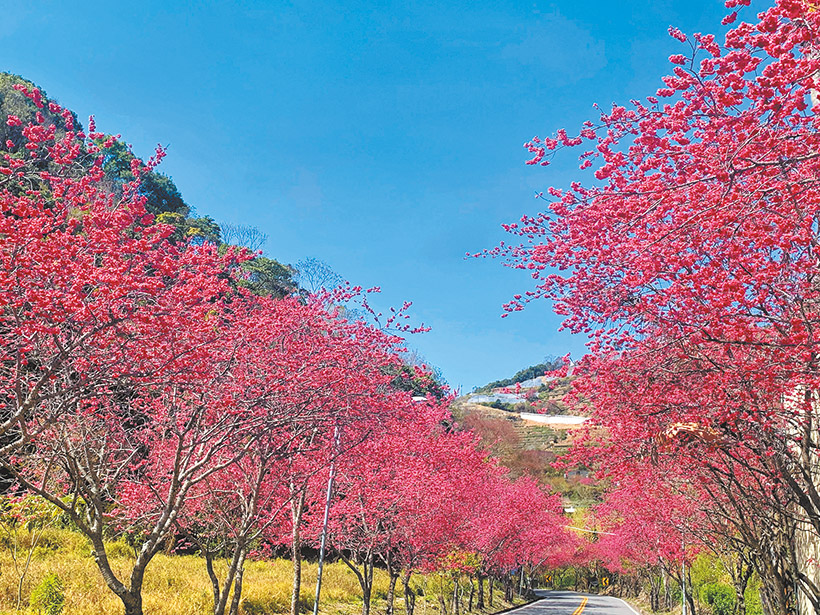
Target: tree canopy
{"type": "Point", "coordinates": [690, 257]}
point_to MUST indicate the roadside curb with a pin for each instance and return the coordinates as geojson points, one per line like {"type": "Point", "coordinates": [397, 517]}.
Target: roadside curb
{"type": "Point", "coordinates": [519, 606]}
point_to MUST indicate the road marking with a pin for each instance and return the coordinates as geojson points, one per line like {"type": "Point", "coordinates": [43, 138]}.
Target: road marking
{"type": "Point", "coordinates": [629, 606]}
{"type": "Point", "coordinates": [581, 606]}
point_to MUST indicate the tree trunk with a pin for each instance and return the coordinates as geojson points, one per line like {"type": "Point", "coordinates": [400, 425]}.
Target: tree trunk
{"type": "Point", "coordinates": [773, 588]}
{"type": "Point", "coordinates": [364, 576]}
{"type": "Point", "coordinates": [740, 602]}
{"type": "Point", "coordinates": [480, 592]}
{"type": "Point", "coordinates": [391, 591]}
{"type": "Point", "coordinates": [297, 507]}
{"type": "Point", "coordinates": [366, 593]}
{"type": "Point", "coordinates": [740, 581]}
{"type": "Point", "coordinates": [409, 594]}
{"type": "Point", "coordinates": [209, 566]}
{"type": "Point", "coordinates": [459, 596]}
{"type": "Point", "coordinates": [296, 559]}
{"type": "Point", "coordinates": [131, 597]}
{"type": "Point", "coordinates": [232, 580]}
{"type": "Point", "coordinates": [132, 603]}
{"type": "Point", "coordinates": [237, 588]}
{"type": "Point", "coordinates": [690, 598]}
{"type": "Point", "coordinates": [490, 581]}
{"type": "Point", "coordinates": [472, 594]}
{"type": "Point", "coordinates": [654, 592]}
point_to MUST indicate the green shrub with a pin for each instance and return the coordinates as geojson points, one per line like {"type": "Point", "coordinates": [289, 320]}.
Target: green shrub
{"type": "Point", "coordinates": [48, 596]}
{"type": "Point", "coordinates": [720, 597]}
{"type": "Point", "coordinates": [119, 548]}
{"type": "Point", "coordinates": [753, 604]}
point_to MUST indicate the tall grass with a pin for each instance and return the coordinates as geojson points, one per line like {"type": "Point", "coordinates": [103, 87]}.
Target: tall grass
{"type": "Point", "coordinates": [179, 584]}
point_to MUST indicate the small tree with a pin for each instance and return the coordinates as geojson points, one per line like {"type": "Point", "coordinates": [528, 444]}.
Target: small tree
{"type": "Point", "coordinates": [23, 520]}
{"type": "Point", "coordinates": [48, 597]}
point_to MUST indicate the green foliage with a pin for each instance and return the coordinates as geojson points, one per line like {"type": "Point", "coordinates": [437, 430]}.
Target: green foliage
{"type": "Point", "coordinates": [160, 192]}
{"type": "Point", "coordinates": [533, 371]}
{"type": "Point", "coordinates": [754, 606]}
{"type": "Point", "coordinates": [196, 230]}
{"type": "Point", "coordinates": [23, 521]}
{"type": "Point", "coordinates": [28, 514]}
{"type": "Point", "coordinates": [707, 569]}
{"type": "Point", "coordinates": [48, 597]}
{"type": "Point", "coordinates": [268, 277]}
{"type": "Point", "coordinates": [13, 102]}
{"type": "Point", "coordinates": [202, 229]}
{"type": "Point", "coordinates": [419, 383]}
{"type": "Point", "coordinates": [720, 597]}
{"type": "Point", "coordinates": [520, 406]}
{"type": "Point", "coordinates": [263, 276]}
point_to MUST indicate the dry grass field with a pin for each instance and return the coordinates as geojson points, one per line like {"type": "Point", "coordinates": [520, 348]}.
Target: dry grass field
{"type": "Point", "coordinates": [178, 584]}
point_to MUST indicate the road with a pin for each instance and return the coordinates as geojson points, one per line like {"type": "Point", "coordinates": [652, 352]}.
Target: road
{"type": "Point", "coordinates": [573, 603]}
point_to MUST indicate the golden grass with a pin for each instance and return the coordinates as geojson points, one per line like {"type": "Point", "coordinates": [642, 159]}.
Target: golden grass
{"type": "Point", "coordinates": [179, 585]}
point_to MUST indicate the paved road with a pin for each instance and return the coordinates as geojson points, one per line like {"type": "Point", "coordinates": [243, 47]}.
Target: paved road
{"type": "Point", "coordinates": [572, 603]}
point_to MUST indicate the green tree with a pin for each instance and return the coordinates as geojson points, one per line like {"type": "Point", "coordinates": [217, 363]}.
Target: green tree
{"type": "Point", "coordinates": [159, 190]}
{"type": "Point", "coordinates": [533, 371]}
{"type": "Point", "coordinates": [268, 277]}
{"type": "Point", "coordinates": [720, 597]}
{"type": "Point", "coordinates": [49, 597]}
{"type": "Point", "coordinates": [13, 102]}
{"type": "Point", "coordinates": [419, 382]}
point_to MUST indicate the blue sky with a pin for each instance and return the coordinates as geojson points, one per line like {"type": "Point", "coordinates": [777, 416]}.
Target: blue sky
{"type": "Point", "coordinates": [384, 138]}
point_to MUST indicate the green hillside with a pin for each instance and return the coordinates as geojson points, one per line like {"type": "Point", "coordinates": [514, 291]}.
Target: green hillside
{"type": "Point", "coordinates": [528, 448]}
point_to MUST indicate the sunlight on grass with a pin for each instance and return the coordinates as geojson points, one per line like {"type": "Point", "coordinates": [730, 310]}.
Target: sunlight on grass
{"type": "Point", "coordinates": [179, 584]}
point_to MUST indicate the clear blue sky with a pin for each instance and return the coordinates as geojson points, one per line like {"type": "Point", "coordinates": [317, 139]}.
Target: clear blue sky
{"type": "Point", "coordinates": [384, 138]}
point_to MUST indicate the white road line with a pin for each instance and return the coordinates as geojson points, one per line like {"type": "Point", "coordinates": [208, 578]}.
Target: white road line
{"type": "Point", "coordinates": [627, 605]}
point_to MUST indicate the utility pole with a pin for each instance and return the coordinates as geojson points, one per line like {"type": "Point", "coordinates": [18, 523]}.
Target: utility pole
{"type": "Point", "coordinates": [683, 574]}
{"type": "Point", "coordinates": [328, 498]}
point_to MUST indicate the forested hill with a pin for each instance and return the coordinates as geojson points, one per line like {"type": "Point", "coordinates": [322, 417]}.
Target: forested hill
{"type": "Point", "coordinates": [526, 447]}
{"type": "Point", "coordinates": [528, 373]}
{"type": "Point", "coordinates": [264, 275]}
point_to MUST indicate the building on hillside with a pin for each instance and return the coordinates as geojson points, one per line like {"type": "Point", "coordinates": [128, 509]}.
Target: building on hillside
{"type": "Point", "coordinates": [504, 398]}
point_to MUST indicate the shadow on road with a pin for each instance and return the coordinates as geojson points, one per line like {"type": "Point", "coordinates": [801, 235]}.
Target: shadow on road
{"type": "Point", "coordinates": [556, 602]}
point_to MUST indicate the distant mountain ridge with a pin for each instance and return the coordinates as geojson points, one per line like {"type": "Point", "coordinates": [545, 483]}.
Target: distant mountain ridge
{"type": "Point", "coordinates": [525, 377]}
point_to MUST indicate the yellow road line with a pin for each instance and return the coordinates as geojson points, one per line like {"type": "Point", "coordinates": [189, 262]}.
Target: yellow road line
{"type": "Point", "coordinates": [581, 607]}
